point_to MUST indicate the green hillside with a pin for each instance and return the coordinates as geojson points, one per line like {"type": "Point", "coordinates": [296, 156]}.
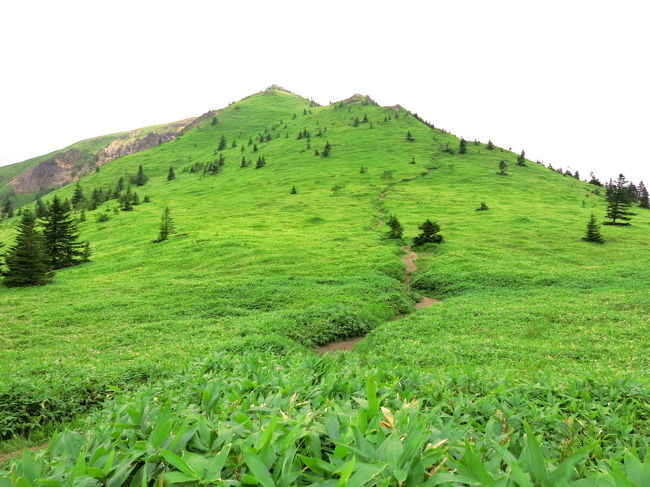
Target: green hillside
{"type": "Point", "coordinates": [531, 322]}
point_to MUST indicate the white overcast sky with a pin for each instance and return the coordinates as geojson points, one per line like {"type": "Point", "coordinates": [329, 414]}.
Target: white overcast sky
{"type": "Point", "coordinates": [568, 81]}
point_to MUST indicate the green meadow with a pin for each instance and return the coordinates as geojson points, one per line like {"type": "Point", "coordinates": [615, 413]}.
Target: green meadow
{"type": "Point", "coordinates": [534, 337]}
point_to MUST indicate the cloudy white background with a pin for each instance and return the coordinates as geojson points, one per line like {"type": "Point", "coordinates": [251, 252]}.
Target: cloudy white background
{"type": "Point", "coordinates": [566, 81]}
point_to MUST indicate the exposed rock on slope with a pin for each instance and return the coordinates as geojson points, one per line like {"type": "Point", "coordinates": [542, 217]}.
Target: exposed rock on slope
{"type": "Point", "coordinates": [70, 164]}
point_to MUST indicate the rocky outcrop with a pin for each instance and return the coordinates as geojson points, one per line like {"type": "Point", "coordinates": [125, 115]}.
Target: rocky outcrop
{"type": "Point", "coordinates": [67, 166]}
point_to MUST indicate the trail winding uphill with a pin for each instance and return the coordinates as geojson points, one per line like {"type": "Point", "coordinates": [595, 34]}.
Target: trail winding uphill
{"type": "Point", "coordinates": [410, 268]}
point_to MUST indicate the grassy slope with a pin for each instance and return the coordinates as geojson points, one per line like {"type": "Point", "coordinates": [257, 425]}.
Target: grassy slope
{"type": "Point", "coordinates": [522, 295]}
{"type": "Point", "coordinates": [87, 147]}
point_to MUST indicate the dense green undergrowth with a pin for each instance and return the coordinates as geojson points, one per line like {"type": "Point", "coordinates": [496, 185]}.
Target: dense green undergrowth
{"type": "Point", "coordinates": [301, 420]}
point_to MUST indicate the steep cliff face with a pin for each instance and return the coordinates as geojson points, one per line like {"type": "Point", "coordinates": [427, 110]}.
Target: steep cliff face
{"type": "Point", "coordinates": [70, 164]}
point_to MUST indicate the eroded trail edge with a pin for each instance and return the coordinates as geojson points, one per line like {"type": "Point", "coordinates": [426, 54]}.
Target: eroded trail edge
{"type": "Point", "coordinates": [409, 266]}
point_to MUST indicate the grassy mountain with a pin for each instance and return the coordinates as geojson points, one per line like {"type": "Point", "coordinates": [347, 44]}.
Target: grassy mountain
{"type": "Point", "coordinates": [23, 181]}
{"type": "Point", "coordinates": [257, 271]}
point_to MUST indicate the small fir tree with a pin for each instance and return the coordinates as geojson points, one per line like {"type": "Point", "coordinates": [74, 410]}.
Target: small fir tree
{"type": "Point", "coordinates": [140, 178]}
{"type": "Point", "coordinates": [166, 226]}
{"type": "Point", "coordinates": [483, 207]}
{"type": "Point", "coordinates": [593, 231]}
{"type": "Point", "coordinates": [396, 230]}
{"type": "Point", "coordinates": [222, 143]}
{"type": "Point", "coordinates": [462, 146]}
{"type": "Point", "coordinates": [77, 196]}
{"type": "Point", "coordinates": [293, 190]}
{"type": "Point", "coordinates": [170, 174]}
{"type": "Point", "coordinates": [27, 263]}
{"type": "Point", "coordinates": [326, 150]}
{"type": "Point", "coordinates": [490, 145]}
{"type": "Point", "coordinates": [430, 234]}
{"type": "Point", "coordinates": [521, 159]}
{"type": "Point", "coordinates": [409, 137]}
{"type": "Point", "coordinates": [503, 168]}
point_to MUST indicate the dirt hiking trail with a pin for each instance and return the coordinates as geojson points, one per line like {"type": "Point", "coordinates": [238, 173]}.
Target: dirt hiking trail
{"type": "Point", "coordinates": [425, 302]}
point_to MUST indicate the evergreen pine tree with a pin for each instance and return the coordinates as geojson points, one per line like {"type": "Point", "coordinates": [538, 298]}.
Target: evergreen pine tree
{"type": "Point", "coordinates": [409, 137]}
{"type": "Point", "coordinates": [60, 234]}
{"type": "Point", "coordinates": [593, 231]}
{"type": "Point", "coordinates": [166, 226]}
{"type": "Point", "coordinates": [27, 264]}
{"type": "Point", "coordinates": [120, 186]}
{"type": "Point", "coordinates": [643, 196]}
{"type": "Point", "coordinates": [365, 118]}
{"type": "Point", "coordinates": [293, 190]}
{"type": "Point", "coordinates": [521, 159]}
{"type": "Point", "coordinates": [7, 208]}
{"type": "Point", "coordinates": [618, 202]}
{"type": "Point", "coordinates": [490, 145]}
{"type": "Point", "coordinates": [171, 175]}
{"type": "Point", "coordinates": [255, 148]}
{"type": "Point", "coordinates": [430, 234]}
{"type": "Point", "coordinates": [396, 230]}
{"type": "Point", "coordinates": [140, 178]}
{"type": "Point", "coordinates": [326, 149]}
{"type": "Point", "coordinates": [483, 207]}
{"type": "Point", "coordinates": [503, 168]}
{"type": "Point", "coordinates": [77, 196]}
{"type": "Point", "coordinates": [222, 143]}
{"type": "Point", "coordinates": [40, 208]}
{"type": "Point", "coordinates": [462, 146]}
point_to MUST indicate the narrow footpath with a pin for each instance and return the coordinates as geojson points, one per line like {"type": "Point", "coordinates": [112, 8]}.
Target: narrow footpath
{"type": "Point", "coordinates": [410, 268]}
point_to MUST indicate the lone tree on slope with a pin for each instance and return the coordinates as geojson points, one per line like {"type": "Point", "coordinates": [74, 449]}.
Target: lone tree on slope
{"type": "Point", "coordinates": [166, 226]}
{"type": "Point", "coordinates": [326, 150]}
{"type": "Point", "coordinates": [521, 159]}
{"type": "Point", "coordinates": [430, 234]}
{"type": "Point", "coordinates": [27, 263]}
{"type": "Point", "coordinates": [396, 230]}
{"type": "Point", "coordinates": [503, 168]}
{"type": "Point", "coordinates": [593, 231]}
{"type": "Point", "coordinates": [618, 202]}
{"type": "Point", "coordinates": [61, 237]}
{"type": "Point", "coordinates": [171, 175]}
{"type": "Point", "coordinates": [140, 179]}
{"type": "Point", "coordinates": [222, 143]}
{"type": "Point", "coordinates": [409, 137]}
{"type": "Point", "coordinates": [462, 147]}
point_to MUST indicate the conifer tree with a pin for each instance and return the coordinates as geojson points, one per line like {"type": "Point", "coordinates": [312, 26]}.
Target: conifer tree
{"type": "Point", "coordinates": [430, 234]}
{"type": "Point", "coordinates": [60, 234]}
{"type": "Point", "coordinates": [293, 190]}
{"type": "Point", "coordinates": [77, 196]}
{"type": "Point", "coordinates": [490, 145]}
{"type": "Point", "coordinates": [593, 231]}
{"type": "Point", "coordinates": [618, 202]}
{"type": "Point", "coordinates": [166, 226]}
{"type": "Point", "coordinates": [643, 196]}
{"type": "Point", "coordinates": [170, 174]}
{"type": "Point", "coordinates": [243, 162]}
{"type": "Point", "coordinates": [140, 178]}
{"type": "Point", "coordinates": [222, 143]}
{"type": "Point", "coordinates": [396, 230]}
{"type": "Point", "coordinates": [120, 186]}
{"type": "Point", "coordinates": [8, 208]}
{"type": "Point", "coordinates": [365, 118]}
{"type": "Point", "coordinates": [483, 207]}
{"type": "Point", "coordinates": [326, 149]}
{"type": "Point", "coordinates": [27, 263]}
{"type": "Point", "coordinates": [40, 208]}
{"type": "Point", "coordinates": [462, 146]}
{"type": "Point", "coordinates": [521, 159]}
{"type": "Point", "coordinates": [503, 168]}
{"type": "Point", "coordinates": [255, 148]}
{"type": "Point", "coordinates": [409, 137]}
